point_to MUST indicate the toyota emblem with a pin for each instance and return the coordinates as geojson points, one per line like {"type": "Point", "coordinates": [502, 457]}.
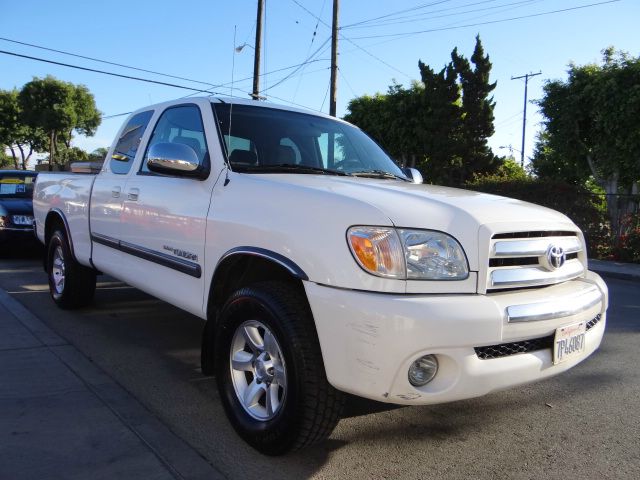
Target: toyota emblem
{"type": "Point", "coordinates": [556, 256]}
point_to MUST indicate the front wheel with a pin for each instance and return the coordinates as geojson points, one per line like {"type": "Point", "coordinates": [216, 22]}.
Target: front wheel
{"type": "Point", "coordinates": [71, 285]}
{"type": "Point", "coordinates": [269, 370]}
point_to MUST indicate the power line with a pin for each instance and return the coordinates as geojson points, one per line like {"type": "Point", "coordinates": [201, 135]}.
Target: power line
{"type": "Point", "coordinates": [301, 66]}
{"type": "Point", "coordinates": [129, 77]}
{"type": "Point", "coordinates": [209, 84]}
{"type": "Point", "coordinates": [157, 82]}
{"type": "Point", "coordinates": [108, 73]}
{"type": "Point", "coordinates": [313, 38]}
{"type": "Point", "coordinates": [347, 82]}
{"type": "Point", "coordinates": [107, 62]}
{"type": "Point", "coordinates": [509, 120]}
{"type": "Point", "coordinates": [421, 16]}
{"type": "Point", "coordinates": [350, 41]}
{"type": "Point", "coordinates": [417, 7]}
{"type": "Point", "coordinates": [407, 34]}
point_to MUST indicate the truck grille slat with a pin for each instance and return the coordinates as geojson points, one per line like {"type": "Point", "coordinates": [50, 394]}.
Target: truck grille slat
{"type": "Point", "coordinates": [535, 234]}
{"type": "Point", "coordinates": [522, 259]}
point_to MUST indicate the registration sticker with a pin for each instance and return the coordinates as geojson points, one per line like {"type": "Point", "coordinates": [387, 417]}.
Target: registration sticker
{"type": "Point", "coordinates": [569, 342]}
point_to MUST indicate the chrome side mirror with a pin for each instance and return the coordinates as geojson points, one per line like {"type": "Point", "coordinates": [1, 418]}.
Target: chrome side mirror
{"type": "Point", "coordinates": [174, 159]}
{"type": "Point", "coordinates": [413, 174]}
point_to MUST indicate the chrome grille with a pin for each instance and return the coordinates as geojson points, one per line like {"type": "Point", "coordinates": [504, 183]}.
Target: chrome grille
{"type": "Point", "coordinates": [522, 259]}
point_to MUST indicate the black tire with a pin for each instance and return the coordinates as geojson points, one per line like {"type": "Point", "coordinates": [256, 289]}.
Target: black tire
{"type": "Point", "coordinates": [77, 286]}
{"type": "Point", "coordinates": [309, 407]}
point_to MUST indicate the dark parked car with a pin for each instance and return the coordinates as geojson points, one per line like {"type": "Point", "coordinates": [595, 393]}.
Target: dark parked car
{"type": "Point", "coordinates": [16, 207]}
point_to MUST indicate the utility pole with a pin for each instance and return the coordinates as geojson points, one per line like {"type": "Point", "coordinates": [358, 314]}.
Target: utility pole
{"type": "Point", "coordinates": [524, 118]}
{"type": "Point", "coordinates": [333, 95]}
{"type": "Point", "coordinates": [258, 48]}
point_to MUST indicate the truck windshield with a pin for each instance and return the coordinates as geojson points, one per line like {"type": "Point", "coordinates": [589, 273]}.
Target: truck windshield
{"type": "Point", "coordinates": [16, 185]}
{"type": "Point", "coordinates": [267, 140]}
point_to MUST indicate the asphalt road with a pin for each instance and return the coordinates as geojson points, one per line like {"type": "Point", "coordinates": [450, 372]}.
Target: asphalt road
{"type": "Point", "coordinates": [583, 424]}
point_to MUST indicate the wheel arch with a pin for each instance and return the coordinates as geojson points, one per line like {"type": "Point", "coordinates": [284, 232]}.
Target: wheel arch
{"type": "Point", "coordinates": [240, 267]}
{"type": "Point", "coordinates": [54, 218]}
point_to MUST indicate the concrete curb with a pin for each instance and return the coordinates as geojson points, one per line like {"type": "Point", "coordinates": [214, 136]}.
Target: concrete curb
{"type": "Point", "coordinates": [617, 270]}
{"type": "Point", "coordinates": [179, 458]}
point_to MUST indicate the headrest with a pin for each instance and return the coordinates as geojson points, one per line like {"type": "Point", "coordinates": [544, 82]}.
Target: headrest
{"type": "Point", "coordinates": [244, 157]}
{"type": "Point", "coordinates": [191, 142]}
{"type": "Point", "coordinates": [286, 154]}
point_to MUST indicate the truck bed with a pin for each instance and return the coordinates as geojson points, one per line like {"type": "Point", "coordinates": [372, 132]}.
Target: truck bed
{"type": "Point", "coordinates": [70, 193]}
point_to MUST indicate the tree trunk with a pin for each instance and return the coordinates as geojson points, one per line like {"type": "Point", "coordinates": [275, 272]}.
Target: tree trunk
{"type": "Point", "coordinates": [22, 156]}
{"type": "Point", "coordinates": [15, 158]}
{"type": "Point", "coordinates": [25, 164]}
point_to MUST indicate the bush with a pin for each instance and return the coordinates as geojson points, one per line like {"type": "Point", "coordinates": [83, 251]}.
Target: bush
{"type": "Point", "coordinates": [627, 248]}
{"type": "Point", "coordinates": [586, 209]}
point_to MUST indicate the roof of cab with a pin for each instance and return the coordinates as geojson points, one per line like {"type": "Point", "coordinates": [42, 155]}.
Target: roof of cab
{"type": "Point", "coordinates": [235, 101]}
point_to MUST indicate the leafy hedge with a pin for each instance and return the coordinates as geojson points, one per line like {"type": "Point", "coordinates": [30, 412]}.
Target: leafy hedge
{"type": "Point", "coordinates": [586, 209]}
{"type": "Point", "coordinates": [627, 248]}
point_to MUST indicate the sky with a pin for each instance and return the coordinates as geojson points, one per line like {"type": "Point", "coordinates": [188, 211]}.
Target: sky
{"type": "Point", "coordinates": [380, 44]}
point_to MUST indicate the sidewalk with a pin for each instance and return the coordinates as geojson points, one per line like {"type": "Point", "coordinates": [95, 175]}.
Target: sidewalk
{"type": "Point", "coordinates": [624, 271]}
{"type": "Point", "coordinates": [62, 417]}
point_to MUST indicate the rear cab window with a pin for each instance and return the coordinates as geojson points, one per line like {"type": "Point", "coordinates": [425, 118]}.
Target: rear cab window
{"type": "Point", "coordinates": [125, 151]}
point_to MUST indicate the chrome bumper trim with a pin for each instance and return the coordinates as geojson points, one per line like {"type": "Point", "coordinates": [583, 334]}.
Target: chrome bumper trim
{"type": "Point", "coordinates": [563, 307]}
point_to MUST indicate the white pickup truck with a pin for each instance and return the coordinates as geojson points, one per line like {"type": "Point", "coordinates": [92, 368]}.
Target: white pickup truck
{"type": "Point", "coordinates": [319, 266]}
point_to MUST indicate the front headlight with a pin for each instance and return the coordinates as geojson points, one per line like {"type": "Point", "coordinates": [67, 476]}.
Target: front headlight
{"type": "Point", "coordinates": [408, 254]}
{"type": "Point", "coordinates": [433, 255]}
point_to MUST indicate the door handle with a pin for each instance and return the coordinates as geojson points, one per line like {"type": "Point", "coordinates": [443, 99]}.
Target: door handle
{"type": "Point", "coordinates": [133, 194]}
{"type": "Point", "coordinates": [115, 192]}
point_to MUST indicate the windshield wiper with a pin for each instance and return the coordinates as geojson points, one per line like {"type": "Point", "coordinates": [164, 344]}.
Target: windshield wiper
{"type": "Point", "coordinates": [288, 167]}
{"type": "Point", "coordinates": [377, 174]}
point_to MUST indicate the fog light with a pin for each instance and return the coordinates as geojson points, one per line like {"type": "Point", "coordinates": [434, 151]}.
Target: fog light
{"type": "Point", "coordinates": [423, 370]}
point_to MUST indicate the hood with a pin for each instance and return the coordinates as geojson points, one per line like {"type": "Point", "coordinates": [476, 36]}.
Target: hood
{"type": "Point", "coordinates": [16, 206]}
{"type": "Point", "coordinates": [460, 213]}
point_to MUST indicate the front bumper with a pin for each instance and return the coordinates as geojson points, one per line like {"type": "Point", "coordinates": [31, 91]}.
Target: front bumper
{"type": "Point", "coordinates": [369, 340]}
{"type": "Point", "coordinates": [17, 235]}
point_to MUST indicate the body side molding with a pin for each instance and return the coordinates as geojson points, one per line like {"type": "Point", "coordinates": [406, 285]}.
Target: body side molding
{"type": "Point", "coordinates": [184, 266]}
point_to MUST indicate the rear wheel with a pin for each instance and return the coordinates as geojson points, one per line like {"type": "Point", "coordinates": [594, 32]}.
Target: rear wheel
{"type": "Point", "coordinates": [269, 370]}
{"type": "Point", "coordinates": [71, 285]}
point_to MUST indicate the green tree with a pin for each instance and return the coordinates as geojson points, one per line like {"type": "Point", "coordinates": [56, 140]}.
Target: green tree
{"type": "Point", "coordinates": [440, 121]}
{"type": "Point", "coordinates": [5, 160]}
{"type": "Point", "coordinates": [87, 115]}
{"type": "Point", "coordinates": [58, 108]}
{"type": "Point", "coordinates": [440, 124]}
{"type": "Point", "coordinates": [592, 128]}
{"type": "Point", "coordinates": [477, 112]}
{"type": "Point", "coordinates": [509, 170]}
{"type": "Point", "coordinates": [391, 119]}
{"type": "Point", "coordinates": [20, 139]}
{"type": "Point", "coordinates": [98, 155]}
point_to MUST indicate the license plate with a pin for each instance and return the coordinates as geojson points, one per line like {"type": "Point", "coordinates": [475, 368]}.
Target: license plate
{"type": "Point", "coordinates": [22, 220]}
{"type": "Point", "coordinates": [569, 342]}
